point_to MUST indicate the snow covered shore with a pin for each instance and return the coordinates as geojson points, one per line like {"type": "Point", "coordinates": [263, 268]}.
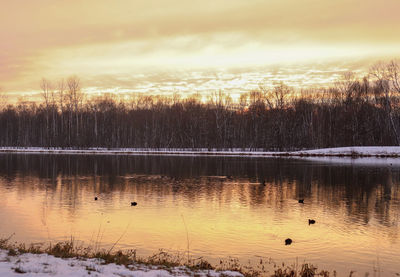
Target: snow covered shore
{"type": "Point", "coordinates": [356, 151]}
{"type": "Point", "coordinates": [47, 265]}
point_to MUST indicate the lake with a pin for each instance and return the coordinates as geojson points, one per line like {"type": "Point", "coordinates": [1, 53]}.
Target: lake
{"type": "Point", "coordinates": [213, 207]}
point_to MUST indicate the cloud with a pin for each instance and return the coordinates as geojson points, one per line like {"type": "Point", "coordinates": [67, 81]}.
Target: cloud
{"type": "Point", "coordinates": [93, 38]}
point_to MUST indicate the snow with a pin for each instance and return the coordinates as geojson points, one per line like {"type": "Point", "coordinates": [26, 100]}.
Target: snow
{"type": "Point", "coordinates": [142, 151]}
{"type": "Point", "coordinates": [361, 156]}
{"type": "Point", "coordinates": [363, 161]}
{"type": "Point", "coordinates": [357, 151]}
{"type": "Point", "coordinates": [47, 265]}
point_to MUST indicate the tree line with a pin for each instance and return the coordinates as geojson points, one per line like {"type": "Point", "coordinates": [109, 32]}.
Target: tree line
{"type": "Point", "coordinates": [352, 112]}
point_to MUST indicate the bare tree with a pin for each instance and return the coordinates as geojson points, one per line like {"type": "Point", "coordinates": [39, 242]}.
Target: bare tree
{"type": "Point", "coordinates": [46, 93]}
{"type": "Point", "coordinates": [46, 87]}
{"type": "Point", "coordinates": [74, 97]}
{"type": "Point", "coordinates": [384, 74]}
{"type": "Point", "coordinates": [61, 89]}
{"type": "Point", "coordinates": [393, 72]}
{"type": "Point", "coordinates": [281, 93]}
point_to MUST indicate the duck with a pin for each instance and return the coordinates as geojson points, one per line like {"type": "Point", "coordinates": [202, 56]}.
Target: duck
{"type": "Point", "coordinates": [133, 203]}
{"type": "Point", "coordinates": [288, 241]}
{"type": "Point", "coordinates": [311, 221]}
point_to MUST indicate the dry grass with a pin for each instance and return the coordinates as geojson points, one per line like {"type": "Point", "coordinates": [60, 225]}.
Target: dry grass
{"type": "Point", "coordinates": [163, 260]}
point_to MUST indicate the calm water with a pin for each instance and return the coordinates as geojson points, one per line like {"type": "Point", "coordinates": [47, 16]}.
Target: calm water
{"type": "Point", "coordinates": [219, 201]}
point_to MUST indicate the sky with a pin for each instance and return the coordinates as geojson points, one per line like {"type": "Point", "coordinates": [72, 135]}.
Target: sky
{"type": "Point", "coordinates": [177, 46]}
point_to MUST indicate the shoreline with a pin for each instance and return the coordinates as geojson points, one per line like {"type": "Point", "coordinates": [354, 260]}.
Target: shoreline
{"type": "Point", "coordinates": [347, 152]}
{"type": "Point", "coordinates": [65, 259]}
{"type": "Point", "coordinates": [13, 263]}
{"type": "Point", "coordinates": [62, 260]}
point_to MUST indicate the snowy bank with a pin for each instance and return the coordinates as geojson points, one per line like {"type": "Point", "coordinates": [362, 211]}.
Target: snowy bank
{"type": "Point", "coordinates": [360, 156]}
{"type": "Point", "coordinates": [366, 151]}
{"type": "Point", "coordinates": [47, 265]}
{"type": "Point", "coordinates": [355, 152]}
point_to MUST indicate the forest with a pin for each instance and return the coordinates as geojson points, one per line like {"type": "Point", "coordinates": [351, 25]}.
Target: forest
{"type": "Point", "coordinates": [354, 111]}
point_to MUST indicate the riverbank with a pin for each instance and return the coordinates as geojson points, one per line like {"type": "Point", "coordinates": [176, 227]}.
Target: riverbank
{"type": "Point", "coordinates": [352, 152]}
{"type": "Point", "coordinates": [30, 264]}
{"type": "Point", "coordinates": [64, 259]}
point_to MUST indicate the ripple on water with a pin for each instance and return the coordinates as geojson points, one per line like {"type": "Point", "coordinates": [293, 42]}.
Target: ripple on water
{"type": "Point", "coordinates": [180, 199]}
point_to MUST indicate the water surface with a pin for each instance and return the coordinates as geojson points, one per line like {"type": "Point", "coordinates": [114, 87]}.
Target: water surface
{"type": "Point", "coordinates": [214, 207]}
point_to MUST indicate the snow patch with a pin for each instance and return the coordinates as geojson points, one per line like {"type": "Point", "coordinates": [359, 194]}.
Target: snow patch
{"type": "Point", "coordinates": [355, 150]}
{"type": "Point", "coordinates": [339, 151]}
{"type": "Point", "coordinates": [47, 265]}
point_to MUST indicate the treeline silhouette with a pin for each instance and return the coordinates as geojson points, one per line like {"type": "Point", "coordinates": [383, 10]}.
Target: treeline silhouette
{"type": "Point", "coordinates": [353, 111]}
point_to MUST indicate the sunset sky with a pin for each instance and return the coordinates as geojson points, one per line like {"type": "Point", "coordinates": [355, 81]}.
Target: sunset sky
{"type": "Point", "coordinates": [169, 46]}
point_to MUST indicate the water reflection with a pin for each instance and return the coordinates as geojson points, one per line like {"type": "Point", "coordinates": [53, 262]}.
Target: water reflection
{"type": "Point", "coordinates": [231, 206]}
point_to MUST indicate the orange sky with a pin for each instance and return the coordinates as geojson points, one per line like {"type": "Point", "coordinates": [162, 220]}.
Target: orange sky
{"type": "Point", "coordinates": [170, 46]}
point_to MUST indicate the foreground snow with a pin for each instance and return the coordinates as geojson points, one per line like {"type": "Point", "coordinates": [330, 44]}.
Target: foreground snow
{"type": "Point", "coordinates": [46, 265]}
{"type": "Point", "coordinates": [357, 151]}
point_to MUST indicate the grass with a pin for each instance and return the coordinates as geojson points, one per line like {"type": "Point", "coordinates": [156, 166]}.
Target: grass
{"type": "Point", "coordinates": [163, 260]}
